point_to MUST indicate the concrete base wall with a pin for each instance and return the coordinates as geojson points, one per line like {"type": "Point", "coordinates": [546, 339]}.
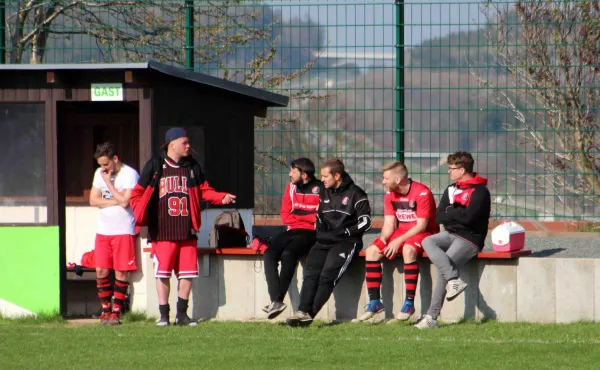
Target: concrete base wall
{"type": "Point", "coordinates": [544, 290]}
{"type": "Point", "coordinates": [81, 224]}
{"type": "Point", "coordinates": [541, 290]}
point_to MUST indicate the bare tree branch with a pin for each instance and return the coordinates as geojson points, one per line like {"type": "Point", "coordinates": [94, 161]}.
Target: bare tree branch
{"type": "Point", "coordinates": [552, 61]}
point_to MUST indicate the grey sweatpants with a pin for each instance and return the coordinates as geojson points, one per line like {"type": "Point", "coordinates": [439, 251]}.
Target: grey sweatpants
{"type": "Point", "coordinates": [447, 252]}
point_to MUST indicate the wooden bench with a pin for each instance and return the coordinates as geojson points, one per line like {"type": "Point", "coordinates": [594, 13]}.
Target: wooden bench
{"type": "Point", "coordinates": [250, 252]}
{"type": "Point", "coordinates": [237, 251]}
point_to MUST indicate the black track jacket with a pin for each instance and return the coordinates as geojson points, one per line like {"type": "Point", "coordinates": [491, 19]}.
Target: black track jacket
{"type": "Point", "coordinates": [344, 214]}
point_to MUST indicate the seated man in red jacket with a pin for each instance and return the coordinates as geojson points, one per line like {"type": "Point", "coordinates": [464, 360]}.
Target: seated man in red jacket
{"type": "Point", "coordinates": [167, 200]}
{"type": "Point", "coordinates": [298, 214]}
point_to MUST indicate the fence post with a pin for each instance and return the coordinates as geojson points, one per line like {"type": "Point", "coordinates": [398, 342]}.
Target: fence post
{"type": "Point", "coordinates": [2, 31]}
{"type": "Point", "coordinates": [399, 4]}
{"type": "Point", "coordinates": [189, 34]}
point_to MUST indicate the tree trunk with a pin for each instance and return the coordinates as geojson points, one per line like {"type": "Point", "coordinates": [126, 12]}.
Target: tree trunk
{"type": "Point", "coordinates": [38, 43]}
{"type": "Point", "coordinates": [38, 47]}
{"type": "Point", "coordinates": [16, 48]}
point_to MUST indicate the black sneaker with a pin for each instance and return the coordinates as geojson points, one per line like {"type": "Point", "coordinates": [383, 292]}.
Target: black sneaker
{"type": "Point", "coordinates": [184, 320]}
{"type": "Point", "coordinates": [300, 318]}
{"type": "Point", "coordinates": [163, 321]}
{"type": "Point", "coordinates": [274, 309]}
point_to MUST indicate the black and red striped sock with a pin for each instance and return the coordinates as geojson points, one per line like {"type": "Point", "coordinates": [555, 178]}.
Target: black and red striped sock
{"type": "Point", "coordinates": [373, 278]}
{"type": "Point", "coordinates": [411, 277]}
{"type": "Point", "coordinates": [105, 292]}
{"type": "Point", "coordinates": [120, 295]}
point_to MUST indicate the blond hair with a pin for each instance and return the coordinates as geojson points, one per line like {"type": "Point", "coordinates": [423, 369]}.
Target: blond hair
{"type": "Point", "coordinates": [397, 167]}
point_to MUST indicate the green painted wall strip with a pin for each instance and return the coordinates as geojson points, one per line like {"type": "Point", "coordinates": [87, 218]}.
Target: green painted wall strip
{"type": "Point", "coordinates": [30, 267]}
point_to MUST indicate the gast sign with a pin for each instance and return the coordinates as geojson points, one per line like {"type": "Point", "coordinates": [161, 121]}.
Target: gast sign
{"type": "Point", "coordinates": [107, 92]}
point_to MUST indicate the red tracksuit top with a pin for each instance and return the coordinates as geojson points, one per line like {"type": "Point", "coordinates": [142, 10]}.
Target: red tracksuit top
{"type": "Point", "coordinates": [299, 205]}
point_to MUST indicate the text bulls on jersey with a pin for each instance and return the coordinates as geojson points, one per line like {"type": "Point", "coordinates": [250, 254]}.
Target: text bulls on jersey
{"type": "Point", "coordinates": [172, 184]}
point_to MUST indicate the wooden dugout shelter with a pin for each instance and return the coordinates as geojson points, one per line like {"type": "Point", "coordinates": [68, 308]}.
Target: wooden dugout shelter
{"type": "Point", "coordinates": [53, 115]}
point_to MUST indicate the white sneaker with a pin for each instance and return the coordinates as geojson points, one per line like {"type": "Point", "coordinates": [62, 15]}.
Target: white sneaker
{"type": "Point", "coordinates": [454, 288]}
{"type": "Point", "coordinates": [405, 313]}
{"type": "Point", "coordinates": [373, 308]}
{"type": "Point", "coordinates": [426, 322]}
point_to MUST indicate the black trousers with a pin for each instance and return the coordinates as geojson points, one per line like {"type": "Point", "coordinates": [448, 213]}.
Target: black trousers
{"type": "Point", "coordinates": [325, 265]}
{"type": "Point", "coordinates": [288, 248]}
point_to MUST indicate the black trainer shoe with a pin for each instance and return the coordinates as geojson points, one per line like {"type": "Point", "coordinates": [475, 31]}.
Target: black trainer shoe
{"type": "Point", "coordinates": [163, 321]}
{"type": "Point", "coordinates": [184, 320]}
{"type": "Point", "coordinates": [300, 318]}
{"type": "Point", "coordinates": [274, 309]}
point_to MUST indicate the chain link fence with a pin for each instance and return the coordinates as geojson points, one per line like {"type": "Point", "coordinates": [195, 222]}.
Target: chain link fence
{"type": "Point", "coordinates": [372, 81]}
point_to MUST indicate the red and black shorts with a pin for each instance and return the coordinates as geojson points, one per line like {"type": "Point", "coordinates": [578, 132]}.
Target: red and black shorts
{"type": "Point", "coordinates": [179, 256]}
{"type": "Point", "coordinates": [413, 241]}
{"type": "Point", "coordinates": [116, 252]}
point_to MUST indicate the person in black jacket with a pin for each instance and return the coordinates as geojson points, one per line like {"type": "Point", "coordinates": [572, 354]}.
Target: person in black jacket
{"type": "Point", "coordinates": [464, 214]}
{"type": "Point", "coordinates": [344, 215]}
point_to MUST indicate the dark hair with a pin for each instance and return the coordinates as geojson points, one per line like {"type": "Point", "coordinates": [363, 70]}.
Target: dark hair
{"type": "Point", "coordinates": [106, 149]}
{"type": "Point", "coordinates": [335, 166]}
{"type": "Point", "coordinates": [304, 165]}
{"type": "Point", "coordinates": [462, 159]}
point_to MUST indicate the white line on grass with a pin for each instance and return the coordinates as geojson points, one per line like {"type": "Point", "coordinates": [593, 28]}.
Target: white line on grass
{"type": "Point", "coordinates": [387, 339]}
{"type": "Point", "coordinates": [414, 339]}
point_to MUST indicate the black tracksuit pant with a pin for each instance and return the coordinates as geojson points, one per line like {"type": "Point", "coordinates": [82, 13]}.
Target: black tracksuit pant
{"type": "Point", "coordinates": [325, 265]}
{"type": "Point", "coordinates": [288, 247]}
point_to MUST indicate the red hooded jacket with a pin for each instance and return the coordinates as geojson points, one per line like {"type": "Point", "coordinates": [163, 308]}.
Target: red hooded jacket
{"type": "Point", "coordinates": [299, 205]}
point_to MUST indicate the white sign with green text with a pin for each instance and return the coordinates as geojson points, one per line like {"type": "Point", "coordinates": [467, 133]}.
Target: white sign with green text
{"type": "Point", "coordinates": [107, 92]}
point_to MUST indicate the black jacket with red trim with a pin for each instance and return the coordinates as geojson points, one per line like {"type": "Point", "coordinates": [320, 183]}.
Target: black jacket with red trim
{"type": "Point", "coordinates": [299, 205]}
{"type": "Point", "coordinates": [465, 208]}
{"type": "Point", "coordinates": [144, 197]}
{"type": "Point", "coordinates": [344, 213]}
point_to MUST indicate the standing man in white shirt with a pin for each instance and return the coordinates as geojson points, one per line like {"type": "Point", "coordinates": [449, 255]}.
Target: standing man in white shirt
{"type": "Point", "coordinates": [115, 238]}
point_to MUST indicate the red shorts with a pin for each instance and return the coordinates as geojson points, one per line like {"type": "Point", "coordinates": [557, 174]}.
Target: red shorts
{"type": "Point", "coordinates": [413, 241]}
{"type": "Point", "coordinates": [179, 256]}
{"type": "Point", "coordinates": [116, 252]}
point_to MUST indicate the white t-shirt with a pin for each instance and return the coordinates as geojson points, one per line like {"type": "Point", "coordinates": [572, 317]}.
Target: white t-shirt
{"type": "Point", "coordinates": [116, 220]}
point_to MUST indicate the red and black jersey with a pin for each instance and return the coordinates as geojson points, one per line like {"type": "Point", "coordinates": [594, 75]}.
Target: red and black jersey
{"type": "Point", "coordinates": [146, 201]}
{"type": "Point", "coordinates": [417, 203]}
{"type": "Point", "coordinates": [465, 210]}
{"type": "Point", "coordinates": [299, 205]}
{"type": "Point", "coordinates": [174, 220]}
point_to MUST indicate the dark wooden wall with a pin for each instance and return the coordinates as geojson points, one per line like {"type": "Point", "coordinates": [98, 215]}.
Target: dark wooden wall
{"type": "Point", "coordinates": [228, 125]}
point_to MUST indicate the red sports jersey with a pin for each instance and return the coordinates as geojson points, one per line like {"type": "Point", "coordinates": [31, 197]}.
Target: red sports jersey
{"type": "Point", "coordinates": [174, 221]}
{"type": "Point", "coordinates": [418, 203]}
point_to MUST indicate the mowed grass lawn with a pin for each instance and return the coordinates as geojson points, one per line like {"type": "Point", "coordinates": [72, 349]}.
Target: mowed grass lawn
{"type": "Point", "coordinates": [30, 344]}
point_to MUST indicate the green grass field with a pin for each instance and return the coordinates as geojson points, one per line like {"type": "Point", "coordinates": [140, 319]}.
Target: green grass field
{"type": "Point", "coordinates": [52, 343]}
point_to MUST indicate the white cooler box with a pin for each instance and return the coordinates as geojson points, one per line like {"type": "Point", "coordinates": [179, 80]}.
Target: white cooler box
{"type": "Point", "coordinates": [508, 237]}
